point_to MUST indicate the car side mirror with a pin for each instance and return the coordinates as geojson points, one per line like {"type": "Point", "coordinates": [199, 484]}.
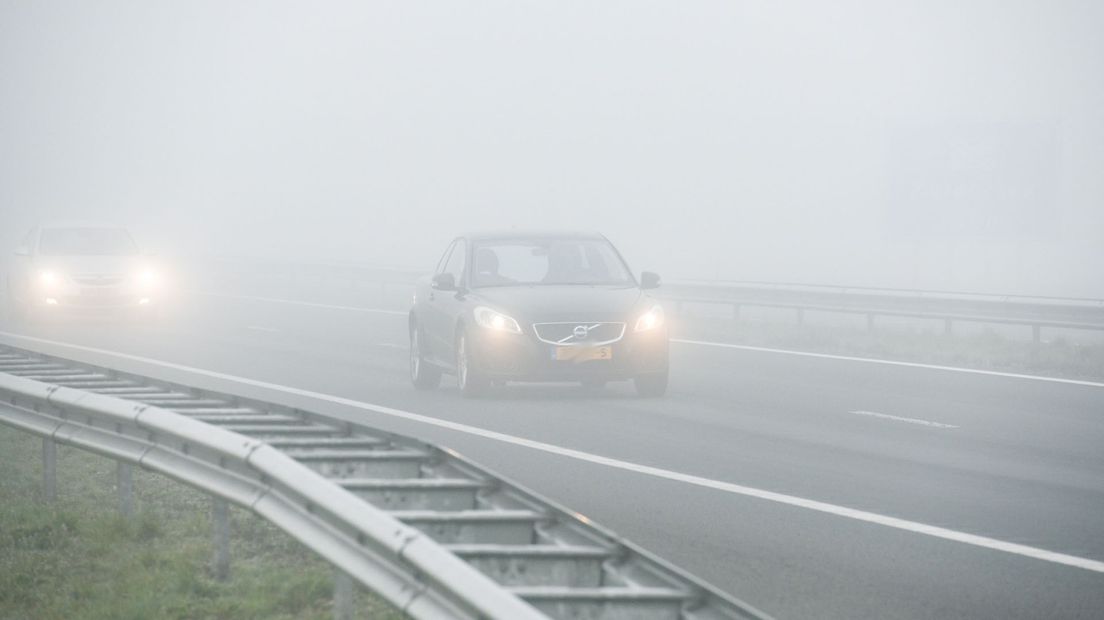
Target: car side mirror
{"type": "Point", "coordinates": [649, 279]}
{"type": "Point", "coordinates": [444, 282]}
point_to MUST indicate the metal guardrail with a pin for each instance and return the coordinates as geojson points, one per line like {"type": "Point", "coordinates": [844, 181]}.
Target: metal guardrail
{"type": "Point", "coordinates": [946, 306]}
{"type": "Point", "coordinates": [949, 307]}
{"type": "Point", "coordinates": [433, 533]}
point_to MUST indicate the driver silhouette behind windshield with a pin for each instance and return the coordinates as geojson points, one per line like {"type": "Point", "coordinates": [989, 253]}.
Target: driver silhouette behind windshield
{"type": "Point", "coordinates": [565, 265]}
{"type": "Point", "coordinates": [486, 268]}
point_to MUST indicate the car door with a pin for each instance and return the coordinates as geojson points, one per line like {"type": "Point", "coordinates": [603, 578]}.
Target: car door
{"type": "Point", "coordinates": [446, 306]}
{"type": "Point", "coordinates": [430, 312]}
{"type": "Point", "coordinates": [425, 311]}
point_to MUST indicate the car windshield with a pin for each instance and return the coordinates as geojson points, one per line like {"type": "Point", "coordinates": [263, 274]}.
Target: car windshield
{"type": "Point", "coordinates": [547, 261]}
{"type": "Point", "coordinates": [86, 242]}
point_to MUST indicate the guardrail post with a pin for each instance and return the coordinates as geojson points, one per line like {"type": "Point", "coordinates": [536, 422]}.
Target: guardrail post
{"type": "Point", "coordinates": [220, 518]}
{"type": "Point", "coordinates": [801, 316]}
{"type": "Point", "coordinates": [1037, 334]}
{"type": "Point", "coordinates": [735, 312]}
{"type": "Point", "coordinates": [947, 327]}
{"type": "Point", "coordinates": [343, 595]}
{"type": "Point", "coordinates": [49, 469]}
{"type": "Point", "coordinates": [870, 322]}
{"type": "Point", "coordinates": [124, 476]}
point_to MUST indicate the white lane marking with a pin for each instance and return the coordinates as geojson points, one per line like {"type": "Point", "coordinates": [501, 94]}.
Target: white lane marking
{"type": "Point", "coordinates": [871, 360]}
{"type": "Point", "coordinates": [309, 304]}
{"type": "Point", "coordinates": [391, 345]}
{"type": "Point", "coordinates": [886, 416]}
{"type": "Point", "coordinates": [262, 328]}
{"type": "Point", "coordinates": [656, 472]}
{"type": "Point", "coordinates": [725, 345]}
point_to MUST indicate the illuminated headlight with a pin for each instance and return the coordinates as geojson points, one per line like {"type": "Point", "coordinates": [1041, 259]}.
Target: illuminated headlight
{"type": "Point", "coordinates": [496, 321]}
{"type": "Point", "coordinates": [650, 320]}
{"type": "Point", "coordinates": [147, 277]}
{"type": "Point", "coordinates": [49, 279]}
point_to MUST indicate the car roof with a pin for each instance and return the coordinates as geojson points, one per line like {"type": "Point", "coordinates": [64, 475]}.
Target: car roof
{"type": "Point", "coordinates": [531, 235]}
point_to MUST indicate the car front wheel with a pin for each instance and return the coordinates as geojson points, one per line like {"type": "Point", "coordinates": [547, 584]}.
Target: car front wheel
{"type": "Point", "coordinates": [423, 375]}
{"type": "Point", "coordinates": [468, 378]}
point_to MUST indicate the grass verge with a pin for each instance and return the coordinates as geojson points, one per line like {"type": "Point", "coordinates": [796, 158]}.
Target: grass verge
{"type": "Point", "coordinates": [78, 558]}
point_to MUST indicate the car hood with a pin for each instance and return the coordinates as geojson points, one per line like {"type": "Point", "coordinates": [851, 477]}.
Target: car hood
{"type": "Point", "coordinates": [99, 265]}
{"type": "Point", "coordinates": [562, 303]}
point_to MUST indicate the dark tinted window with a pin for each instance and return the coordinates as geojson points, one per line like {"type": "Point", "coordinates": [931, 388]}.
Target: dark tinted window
{"type": "Point", "coordinates": [444, 257]}
{"type": "Point", "coordinates": [455, 264]}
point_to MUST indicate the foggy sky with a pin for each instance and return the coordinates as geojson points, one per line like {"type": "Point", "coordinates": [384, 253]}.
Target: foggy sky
{"type": "Point", "coordinates": [914, 144]}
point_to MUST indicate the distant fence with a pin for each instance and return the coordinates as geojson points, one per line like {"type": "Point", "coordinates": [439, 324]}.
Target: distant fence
{"type": "Point", "coordinates": [946, 306]}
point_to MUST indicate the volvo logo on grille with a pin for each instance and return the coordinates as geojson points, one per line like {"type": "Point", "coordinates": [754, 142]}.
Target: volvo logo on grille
{"type": "Point", "coordinates": [570, 332]}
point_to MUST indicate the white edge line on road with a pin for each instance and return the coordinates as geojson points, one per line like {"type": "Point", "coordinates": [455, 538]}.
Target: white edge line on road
{"type": "Point", "coordinates": [886, 416]}
{"type": "Point", "coordinates": [309, 304]}
{"type": "Point", "coordinates": [742, 347]}
{"type": "Point", "coordinates": [656, 472]}
{"type": "Point", "coordinates": [707, 343]}
{"type": "Point", "coordinates": [871, 360]}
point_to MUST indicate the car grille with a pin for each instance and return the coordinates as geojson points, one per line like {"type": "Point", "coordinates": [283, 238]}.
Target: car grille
{"type": "Point", "coordinates": [565, 333]}
{"type": "Point", "coordinates": [98, 279]}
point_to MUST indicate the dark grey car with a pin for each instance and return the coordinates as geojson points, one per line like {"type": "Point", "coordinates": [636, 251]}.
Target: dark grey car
{"type": "Point", "coordinates": [537, 307]}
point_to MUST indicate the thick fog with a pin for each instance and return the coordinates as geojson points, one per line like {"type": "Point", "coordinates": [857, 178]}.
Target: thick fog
{"type": "Point", "coordinates": [951, 145]}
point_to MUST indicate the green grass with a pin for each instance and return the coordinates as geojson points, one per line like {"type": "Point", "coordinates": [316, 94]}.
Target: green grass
{"type": "Point", "coordinates": [78, 558]}
{"type": "Point", "coordinates": [985, 349]}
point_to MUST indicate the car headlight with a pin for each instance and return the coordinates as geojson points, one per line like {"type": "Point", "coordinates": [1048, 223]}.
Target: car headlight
{"type": "Point", "coordinates": [49, 279]}
{"type": "Point", "coordinates": [496, 321]}
{"type": "Point", "coordinates": [147, 277]}
{"type": "Point", "coordinates": [650, 320]}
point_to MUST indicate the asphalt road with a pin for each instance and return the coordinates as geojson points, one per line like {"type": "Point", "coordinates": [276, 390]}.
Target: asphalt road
{"type": "Point", "coordinates": [1011, 459]}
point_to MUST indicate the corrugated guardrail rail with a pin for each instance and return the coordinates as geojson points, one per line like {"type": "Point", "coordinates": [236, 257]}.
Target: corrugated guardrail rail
{"type": "Point", "coordinates": [947, 306]}
{"type": "Point", "coordinates": [1078, 313]}
{"type": "Point", "coordinates": [434, 533]}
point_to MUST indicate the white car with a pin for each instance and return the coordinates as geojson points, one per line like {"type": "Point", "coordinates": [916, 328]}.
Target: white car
{"type": "Point", "coordinates": [81, 269]}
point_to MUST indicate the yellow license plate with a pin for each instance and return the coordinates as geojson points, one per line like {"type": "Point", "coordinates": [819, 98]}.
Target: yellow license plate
{"type": "Point", "coordinates": [582, 354]}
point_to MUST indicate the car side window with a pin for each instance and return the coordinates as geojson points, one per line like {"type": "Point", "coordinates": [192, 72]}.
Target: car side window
{"type": "Point", "coordinates": [456, 260]}
{"type": "Point", "coordinates": [444, 258]}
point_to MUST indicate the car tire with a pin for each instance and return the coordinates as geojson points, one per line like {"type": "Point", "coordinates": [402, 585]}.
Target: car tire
{"type": "Point", "coordinates": [651, 385]}
{"type": "Point", "coordinates": [468, 378]}
{"type": "Point", "coordinates": [424, 375]}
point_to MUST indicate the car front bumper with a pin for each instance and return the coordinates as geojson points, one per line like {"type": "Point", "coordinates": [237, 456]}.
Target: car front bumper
{"type": "Point", "coordinates": [92, 303]}
{"type": "Point", "coordinates": [522, 357]}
